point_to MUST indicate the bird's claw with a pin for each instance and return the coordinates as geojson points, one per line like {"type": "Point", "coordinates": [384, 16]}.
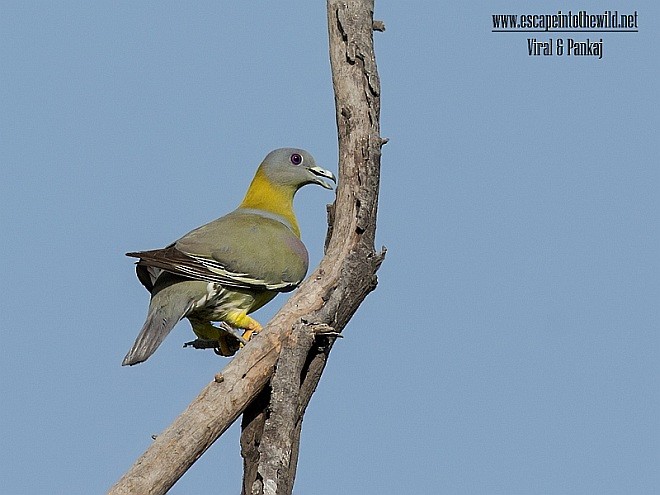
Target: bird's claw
{"type": "Point", "coordinates": [229, 342]}
{"type": "Point", "coordinates": [248, 335]}
{"type": "Point", "coordinates": [234, 332]}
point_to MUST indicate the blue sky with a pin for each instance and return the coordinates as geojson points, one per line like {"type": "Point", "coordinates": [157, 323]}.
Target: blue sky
{"type": "Point", "coordinates": [511, 346]}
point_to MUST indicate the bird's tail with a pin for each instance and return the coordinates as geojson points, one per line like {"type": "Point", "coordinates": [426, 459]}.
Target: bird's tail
{"type": "Point", "coordinates": [163, 314]}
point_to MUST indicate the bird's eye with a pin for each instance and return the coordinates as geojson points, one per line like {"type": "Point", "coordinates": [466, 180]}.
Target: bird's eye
{"type": "Point", "coordinates": [296, 159]}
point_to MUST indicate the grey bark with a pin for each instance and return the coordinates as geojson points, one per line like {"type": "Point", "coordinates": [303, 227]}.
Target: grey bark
{"type": "Point", "coordinates": [299, 332]}
{"type": "Point", "coordinates": [271, 431]}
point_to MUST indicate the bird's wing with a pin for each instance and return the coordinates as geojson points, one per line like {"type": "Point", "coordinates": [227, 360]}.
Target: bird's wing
{"type": "Point", "coordinates": [244, 251]}
{"type": "Point", "coordinates": [172, 260]}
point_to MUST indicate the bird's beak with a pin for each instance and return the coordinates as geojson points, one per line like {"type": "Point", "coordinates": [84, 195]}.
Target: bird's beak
{"type": "Point", "coordinates": [321, 172]}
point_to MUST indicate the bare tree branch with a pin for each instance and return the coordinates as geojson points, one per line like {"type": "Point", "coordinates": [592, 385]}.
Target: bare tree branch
{"type": "Point", "coordinates": [327, 299]}
{"type": "Point", "coordinates": [271, 469]}
{"type": "Point", "coordinates": [274, 432]}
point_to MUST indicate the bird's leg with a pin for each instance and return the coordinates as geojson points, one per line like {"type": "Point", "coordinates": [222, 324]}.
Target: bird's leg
{"type": "Point", "coordinates": [227, 336]}
{"type": "Point", "coordinates": [240, 319]}
{"type": "Point", "coordinates": [227, 340]}
{"type": "Point", "coordinates": [228, 329]}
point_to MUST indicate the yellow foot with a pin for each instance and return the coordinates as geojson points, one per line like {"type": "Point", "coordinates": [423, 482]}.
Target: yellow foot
{"type": "Point", "coordinates": [227, 335]}
{"type": "Point", "coordinates": [248, 334]}
{"type": "Point", "coordinates": [239, 319]}
{"type": "Point", "coordinates": [226, 343]}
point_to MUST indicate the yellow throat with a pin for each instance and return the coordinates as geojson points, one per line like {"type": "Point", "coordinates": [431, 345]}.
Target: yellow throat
{"type": "Point", "coordinates": [273, 198]}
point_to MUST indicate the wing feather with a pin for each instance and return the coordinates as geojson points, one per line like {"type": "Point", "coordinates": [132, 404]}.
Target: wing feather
{"type": "Point", "coordinates": [240, 250]}
{"type": "Point", "coordinates": [174, 261]}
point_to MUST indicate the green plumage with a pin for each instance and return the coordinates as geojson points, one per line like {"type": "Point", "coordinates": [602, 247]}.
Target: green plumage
{"type": "Point", "coordinates": [230, 267]}
{"type": "Point", "coordinates": [251, 246]}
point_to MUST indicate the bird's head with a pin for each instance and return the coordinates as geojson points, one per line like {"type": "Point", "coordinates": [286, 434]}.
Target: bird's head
{"type": "Point", "coordinates": [293, 167]}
